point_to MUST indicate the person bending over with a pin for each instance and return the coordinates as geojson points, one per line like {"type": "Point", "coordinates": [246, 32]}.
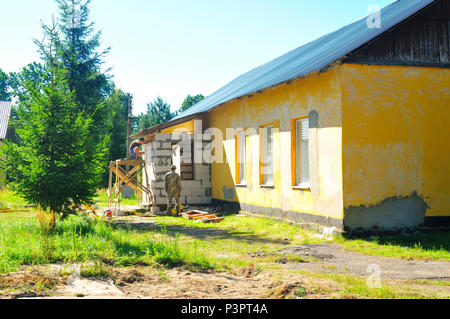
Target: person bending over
{"type": "Point", "coordinates": [135, 147]}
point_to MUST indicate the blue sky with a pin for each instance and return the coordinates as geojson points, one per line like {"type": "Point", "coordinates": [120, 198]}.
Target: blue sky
{"type": "Point", "coordinates": [172, 48]}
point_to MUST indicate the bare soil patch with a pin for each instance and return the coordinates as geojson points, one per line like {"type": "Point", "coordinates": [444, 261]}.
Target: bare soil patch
{"type": "Point", "coordinates": [182, 284]}
{"type": "Point", "coordinates": [28, 284]}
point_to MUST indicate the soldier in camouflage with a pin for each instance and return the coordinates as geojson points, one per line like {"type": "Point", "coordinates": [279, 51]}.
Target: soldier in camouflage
{"type": "Point", "coordinates": [172, 185]}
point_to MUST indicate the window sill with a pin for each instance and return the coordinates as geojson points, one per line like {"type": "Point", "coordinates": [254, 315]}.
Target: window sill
{"type": "Point", "coordinates": [241, 185]}
{"type": "Point", "coordinates": [267, 186]}
{"type": "Point", "coordinates": [304, 187]}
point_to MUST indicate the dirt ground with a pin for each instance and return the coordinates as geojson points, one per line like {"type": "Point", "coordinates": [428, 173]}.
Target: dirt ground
{"type": "Point", "coordinates": [242, 283]}
{"type": "Point", "coordinates": [287, 279]}
{"type": "Point", "coordinates": [332, 257]}
{"type": "Point", "coordinates": [146, 282]}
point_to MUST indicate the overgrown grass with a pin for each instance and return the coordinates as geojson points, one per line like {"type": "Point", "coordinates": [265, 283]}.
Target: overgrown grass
{"type": "Point", "coordinates": [76, 239]}
{"type": "Point", "coordinates": [429, 246]}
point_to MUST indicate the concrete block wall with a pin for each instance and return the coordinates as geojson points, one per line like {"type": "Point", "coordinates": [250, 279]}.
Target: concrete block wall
{"type": "Point", "coordinates": [159, 162]}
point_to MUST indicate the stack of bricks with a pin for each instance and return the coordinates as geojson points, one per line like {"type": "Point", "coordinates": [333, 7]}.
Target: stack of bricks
{"type": "Point", "coordinates": [159, 161]}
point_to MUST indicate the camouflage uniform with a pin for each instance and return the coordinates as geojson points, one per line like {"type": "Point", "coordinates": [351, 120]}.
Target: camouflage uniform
{"type": "Point", "coordinates": [172, 186]}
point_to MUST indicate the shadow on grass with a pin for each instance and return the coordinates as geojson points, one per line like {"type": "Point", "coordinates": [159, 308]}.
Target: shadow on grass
{"type": "Point", "coordinates": [203, 233]}
{"type": "Point", "coordinates": [433, 240]}
{"type": "Point", "coordinates": [127, 250]}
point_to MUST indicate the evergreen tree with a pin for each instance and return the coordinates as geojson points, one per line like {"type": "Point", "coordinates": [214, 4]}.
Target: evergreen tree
{"type": "Point", "coordinates": [158, 112]}
{"type": "Point", "coordinates": [4, 86]}
{"type": "Point", "coordinates": [83, 60]}
{"type": "Point", "coordinates": [118, 101]}
{"type": "Point", "coordinates": [50, 167]}
{"type": "Point", "coordinates": [190, 101]}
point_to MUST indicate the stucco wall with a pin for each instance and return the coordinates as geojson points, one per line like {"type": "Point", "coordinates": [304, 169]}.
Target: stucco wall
{"type": "Point", "coordinates": [395, 144]}
{"type": "Point", "coordinates": [318, 94]}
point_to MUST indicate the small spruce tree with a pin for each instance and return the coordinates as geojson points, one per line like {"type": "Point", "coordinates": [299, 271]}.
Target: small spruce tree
{"type": "Point", "coordinates": [50, 168]}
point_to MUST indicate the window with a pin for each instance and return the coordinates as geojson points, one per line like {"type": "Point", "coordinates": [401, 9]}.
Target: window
{"type": "Point", "coordinates": [267, 156]}
{"type": "Point", "coordinates": [240, 158]}
{"type": "Point", "coordinates": [302, 153]}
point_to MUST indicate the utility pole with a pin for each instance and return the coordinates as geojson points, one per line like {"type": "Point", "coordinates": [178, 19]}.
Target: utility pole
{"type": "Point", "coordinates": [130, 113]}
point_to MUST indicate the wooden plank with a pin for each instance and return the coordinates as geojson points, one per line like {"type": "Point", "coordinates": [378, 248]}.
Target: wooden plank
{"type": "Point", "coordinates": [203, 217]}
{"type": "Point", "coordinates": [214, 220]}
{"type": "Point", "coordinates": [129, 162]}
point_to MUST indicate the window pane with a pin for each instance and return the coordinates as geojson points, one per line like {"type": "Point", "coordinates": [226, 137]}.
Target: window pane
{"type": "Point", "coordinates": [302, 149]}
{"type": "Point", "coordinates": [241, 157]}
{"type": "Point", "coordinates": [268, 155]}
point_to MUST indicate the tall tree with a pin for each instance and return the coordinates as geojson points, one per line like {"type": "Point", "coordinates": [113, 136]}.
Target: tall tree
{"type": "Point", "coordinates": [50, 168]}
{"type": "Point", "coordinates": [4, 86]}
{"type": "Point", "coordinates": [190, 101]}
{"type": "Point", "coordinates": [158, 112]}
{"type": "Point", "coordinates": [83, 60]}
{"type": "Point", "coordinates": [118, 101]}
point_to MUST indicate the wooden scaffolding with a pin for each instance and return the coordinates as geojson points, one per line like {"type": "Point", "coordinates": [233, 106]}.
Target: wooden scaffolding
{"type": "Point", "coordinates": [128, 172]}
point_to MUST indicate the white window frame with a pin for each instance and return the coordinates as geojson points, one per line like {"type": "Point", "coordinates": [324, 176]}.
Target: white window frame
{"type": "Point", "coordinates": [302, 164]}
{"type": "Point", "coordinates": [265, 156]}
{"type": "Point", "coordinates": [241, 157]}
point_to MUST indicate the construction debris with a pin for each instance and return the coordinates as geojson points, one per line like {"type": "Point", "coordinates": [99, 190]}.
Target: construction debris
{"type": "Point", "coordinates": [201, 216]}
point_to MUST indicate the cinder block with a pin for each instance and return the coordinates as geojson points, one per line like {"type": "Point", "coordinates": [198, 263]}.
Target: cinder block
{"type": "Point", "coordinates": [208, 192]}
{"type": "Point", "coordinates": [202, 168]}
{"type": "Point", "coordinates": [162, 137]}
{"type": "Point", "coordinates": [186, 192]}
{"type": "Point", "coordinates": [157, 185]}
{"type": "Point", "coordinates": [166, 146]}
{"type": "Point", "coordinates": [191, 184]}
{"type": "Point", "coordinates": [206, 184]}
{"type": "Point", "coordinates": [160, 152]}
{"type": "Point", "coordinates": [161, 201]}
{"type": "Point", "coordinates": [197, 192]}
{"type": "Point", "coordinates": [156, 192]}
{"type": "Point", "coordinates": [206, 200]}
{"type": "Point", "coordinates": [202, 176]}
{"type": "Point", "coordinates": [194, 200]}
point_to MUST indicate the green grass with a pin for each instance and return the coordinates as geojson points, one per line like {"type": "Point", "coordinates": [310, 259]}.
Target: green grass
{"type": "Point", "coordinates": [102, 198]}
{"type": "Point", "coordinates": [237, 238]}
{"type": "Point", "coordinates": [349, 286]}
{"type": "Point", "coordinates": [426, 246]}
{"type": "Point", "coordinates": [9, 200]}
{"type": "Point", "coordinates": [76, 239]}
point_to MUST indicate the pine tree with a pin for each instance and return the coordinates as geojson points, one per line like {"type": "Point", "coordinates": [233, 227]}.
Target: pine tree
{"type": "Point", "coordinates": [118, 101]}
{"type": "Point", "coordinates": [4, 86]}
{"type": "Point", "coordinates": [83, 60]}
{"type": "Point", "coordinates": [50, 167]}
{"type": "Point", "coordinates": [190, 101]}
{"type": "Point", "coordinates": [158, 112]}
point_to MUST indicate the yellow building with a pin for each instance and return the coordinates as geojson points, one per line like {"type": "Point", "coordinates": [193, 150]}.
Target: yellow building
{"type": "Point", "coordinates": [349, 130]}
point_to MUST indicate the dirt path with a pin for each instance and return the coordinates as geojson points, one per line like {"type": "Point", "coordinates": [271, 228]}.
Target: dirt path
{"type": "Point", "coordinates": [147, 283]}
{"type": "Point", "coordinates": [334, 258]}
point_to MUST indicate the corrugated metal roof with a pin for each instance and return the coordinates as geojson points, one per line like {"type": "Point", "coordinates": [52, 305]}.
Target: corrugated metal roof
{"type": "Point", "coordinates": [311, 57]}
{"type": "Point", "coordinates": [5, 112]}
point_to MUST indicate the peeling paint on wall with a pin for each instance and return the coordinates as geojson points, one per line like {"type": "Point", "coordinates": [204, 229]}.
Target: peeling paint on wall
{"type": "Point", "coordinates": [392, 213]}
{"type": "Point", "coordinates": [228, 193]}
